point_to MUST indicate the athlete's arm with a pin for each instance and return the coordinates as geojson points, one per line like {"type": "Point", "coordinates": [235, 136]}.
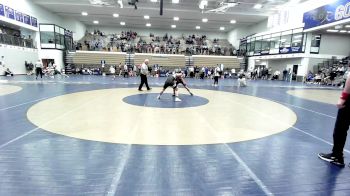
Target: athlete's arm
{"type": "Point", "coordinates": [345, 94]}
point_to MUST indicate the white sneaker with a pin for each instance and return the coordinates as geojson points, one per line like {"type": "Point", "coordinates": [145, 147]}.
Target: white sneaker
{"type": "Point", "coordinates": [177, 99]}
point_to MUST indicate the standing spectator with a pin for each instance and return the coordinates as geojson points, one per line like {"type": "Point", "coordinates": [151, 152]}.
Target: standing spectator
{"type": "Point", "coordinates": [340, 129]}
{"type": "Point", "coordinates": [39, 69]}
{"type": "Point", "coordinates": [112, 71]}
{"type": "Point", "coordinates": [143, 74]}
{"type": "Point", "coordinates": [126, 71]}
{"type": "Point", "coordinates": [2, 62]}
{"type": "Point", "coordinates": [216, 76]}
{"type": "Point", "coordinates": [285, 72]}
{"type": "Point", "coordinates": [2, 65]}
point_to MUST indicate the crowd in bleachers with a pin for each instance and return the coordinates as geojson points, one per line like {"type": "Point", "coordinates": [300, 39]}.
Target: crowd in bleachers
{"type": "Point", "coordinates": [130, 41]}
{"type": "Point", "coordinates": [334, 75]}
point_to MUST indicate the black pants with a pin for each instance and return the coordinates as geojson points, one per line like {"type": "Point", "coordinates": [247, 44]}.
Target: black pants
{"type": "Point", "coordinates": [216, 79]}
{"type": "Point", "coordinates": [143, 81]}
{"type": "Point", "coordinates": [38, 71]}
{"type": "Point", "coordinates": [340, 130]}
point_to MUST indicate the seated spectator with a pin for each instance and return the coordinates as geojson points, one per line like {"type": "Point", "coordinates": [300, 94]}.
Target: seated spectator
{"type": "Point", "coordinates": [242, 82]}
{"type": "Point", "coordinates": [8, 72]}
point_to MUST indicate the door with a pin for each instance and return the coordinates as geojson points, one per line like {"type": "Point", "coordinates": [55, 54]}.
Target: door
{"type": "Point", "coordinates": [295, 71]}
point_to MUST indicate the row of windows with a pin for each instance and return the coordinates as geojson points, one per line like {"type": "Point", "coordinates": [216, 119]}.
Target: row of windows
{"type": "Point", "coordinates": [272, 43]}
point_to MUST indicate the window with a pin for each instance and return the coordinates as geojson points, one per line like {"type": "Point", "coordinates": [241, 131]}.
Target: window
{"type": "Point", "coordinates": [265, 44]}
{"type": "Point", "coordinates": [51, 36]}
{"type": "Point", "coordinates": [286, 38]}
{"type": "Point", "coordinates": [315, 44]}
{"type": "Point", "coordinates": [274, 43]}
{"type": "Point", "coordinates": [258, 42]}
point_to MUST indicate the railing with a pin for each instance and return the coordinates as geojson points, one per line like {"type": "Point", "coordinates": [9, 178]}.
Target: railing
{"type": "Point", "coordinates": [16, 41]}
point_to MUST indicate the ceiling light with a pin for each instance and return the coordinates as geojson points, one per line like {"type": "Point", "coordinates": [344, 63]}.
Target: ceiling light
{"type": "Point", "coordinates": [146, 17]}
{"type": "Point", "coordinates": [205, 20]}
{"type": "Point", "coordinates": [332, 30]}
{"type": "Point", "coordinates": [96, 22]}
{"type": "Point", "coordinates": [258, 6]}
{"type": "Point", "coordinates": [347, 26]}
{"type": "Point", "coordinates": [342, 31]}
{"type": "Point", "coordinates": [84, 13]}
{"type": "Point", "coordinates": [176, 18]}
{"type": "Point", "coordinates": [198, 27]}
{"type": "Point", "coordinates": [148, 25]}
{"type": "Point", "coordinates": [153, 1]}
{"type": "Point", "coordinates": [115, 15]}
{"type": "Point", "coordinates": [122, 23]}
{"type": "Point", "coordinates": [173, 26]}
{"type": "Point", "coordinates": [222, 28]}
{"type": "Point", "coordinates": [175, 1]}
{"type": "Point", "coordinates": [233, 21]}
{"type": "Point", "coordinates": [338, 26]}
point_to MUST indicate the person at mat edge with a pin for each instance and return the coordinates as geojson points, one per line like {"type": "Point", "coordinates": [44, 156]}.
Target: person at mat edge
{"type": "Point", "coordinates": [340, 129]}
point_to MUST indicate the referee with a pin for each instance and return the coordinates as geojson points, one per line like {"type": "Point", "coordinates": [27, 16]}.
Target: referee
{"type": "Point", "coordinates": [143, 74]}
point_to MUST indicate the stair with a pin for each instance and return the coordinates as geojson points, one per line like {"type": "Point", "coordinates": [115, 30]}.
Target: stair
{"type": "Point", "coordinates": [189, 61]}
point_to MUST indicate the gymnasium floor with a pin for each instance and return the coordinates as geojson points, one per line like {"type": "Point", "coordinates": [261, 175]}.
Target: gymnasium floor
{"type": "Point", "coordinates": [91, 135]}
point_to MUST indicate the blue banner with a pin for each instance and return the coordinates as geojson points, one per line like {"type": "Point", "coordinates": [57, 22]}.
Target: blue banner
{"type": "Point", "coordinates": [26, 19]}
{"type": "Point", "coordinates": [34, 21]}
{"type": "Point", "coordinates": [19, 16]}
{"type": "Point", "coordinates": [2, 11]}
{"type": "Point", "coordinates": [285, 50]}
{"type": "Point", "coordinates": [10, 13]}
{"type": "Point", "coordinates": [327, 14]}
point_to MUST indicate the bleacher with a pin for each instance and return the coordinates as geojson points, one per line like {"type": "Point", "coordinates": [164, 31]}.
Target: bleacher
{"type": "Point", "coordinates": [164, 60]}
{"type": "Point", "coordinates": [94, 58]}
{"type": "Point", "coordinates": [209, 61]}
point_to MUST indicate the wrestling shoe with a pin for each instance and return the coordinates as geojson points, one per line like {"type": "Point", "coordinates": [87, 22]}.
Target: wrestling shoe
{"type": "Point", "coordinates": [191, 94]}
{"type": "Point", "coordinates": [149, 89]}
{"type": "Point", "coordinates": [339, 161]}
{"type": "Point", "coordinates": [158, 97]}
{"type": "Point", "coordinates": [177, 99]}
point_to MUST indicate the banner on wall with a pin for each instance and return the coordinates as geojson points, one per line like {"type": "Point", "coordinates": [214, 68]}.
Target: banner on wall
{"type": "Point", "coordinates": [285, 50]}
{"type": "Point", "coordinates": [34, 21]}
{"type": "Point", "coordinates": [26, 19]}
{"type": "Point", "coordinates": [2, 11]}
{"type": "Point", "coordinates": [10, 13]}
{"type": "Point", "coordinates": [296, 49]}
{"type": "Point", "coordinates": [19, 16]}
{"type": "Point", "coordinates": [327, 14]}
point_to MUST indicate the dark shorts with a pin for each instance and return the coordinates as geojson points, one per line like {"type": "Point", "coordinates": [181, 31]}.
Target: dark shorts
{"type": "Point", "coordinates": [169, 82]}
{"type": "Point", "coordinates": [181, 81]}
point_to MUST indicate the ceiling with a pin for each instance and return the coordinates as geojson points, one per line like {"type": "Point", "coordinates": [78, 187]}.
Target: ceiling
{"type": "Point", "coordinates": [187, 10]}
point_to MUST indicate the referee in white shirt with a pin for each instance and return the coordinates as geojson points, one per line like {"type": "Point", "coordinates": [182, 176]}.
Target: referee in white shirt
{"type": "Point", "coordinates": [143, 74]}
